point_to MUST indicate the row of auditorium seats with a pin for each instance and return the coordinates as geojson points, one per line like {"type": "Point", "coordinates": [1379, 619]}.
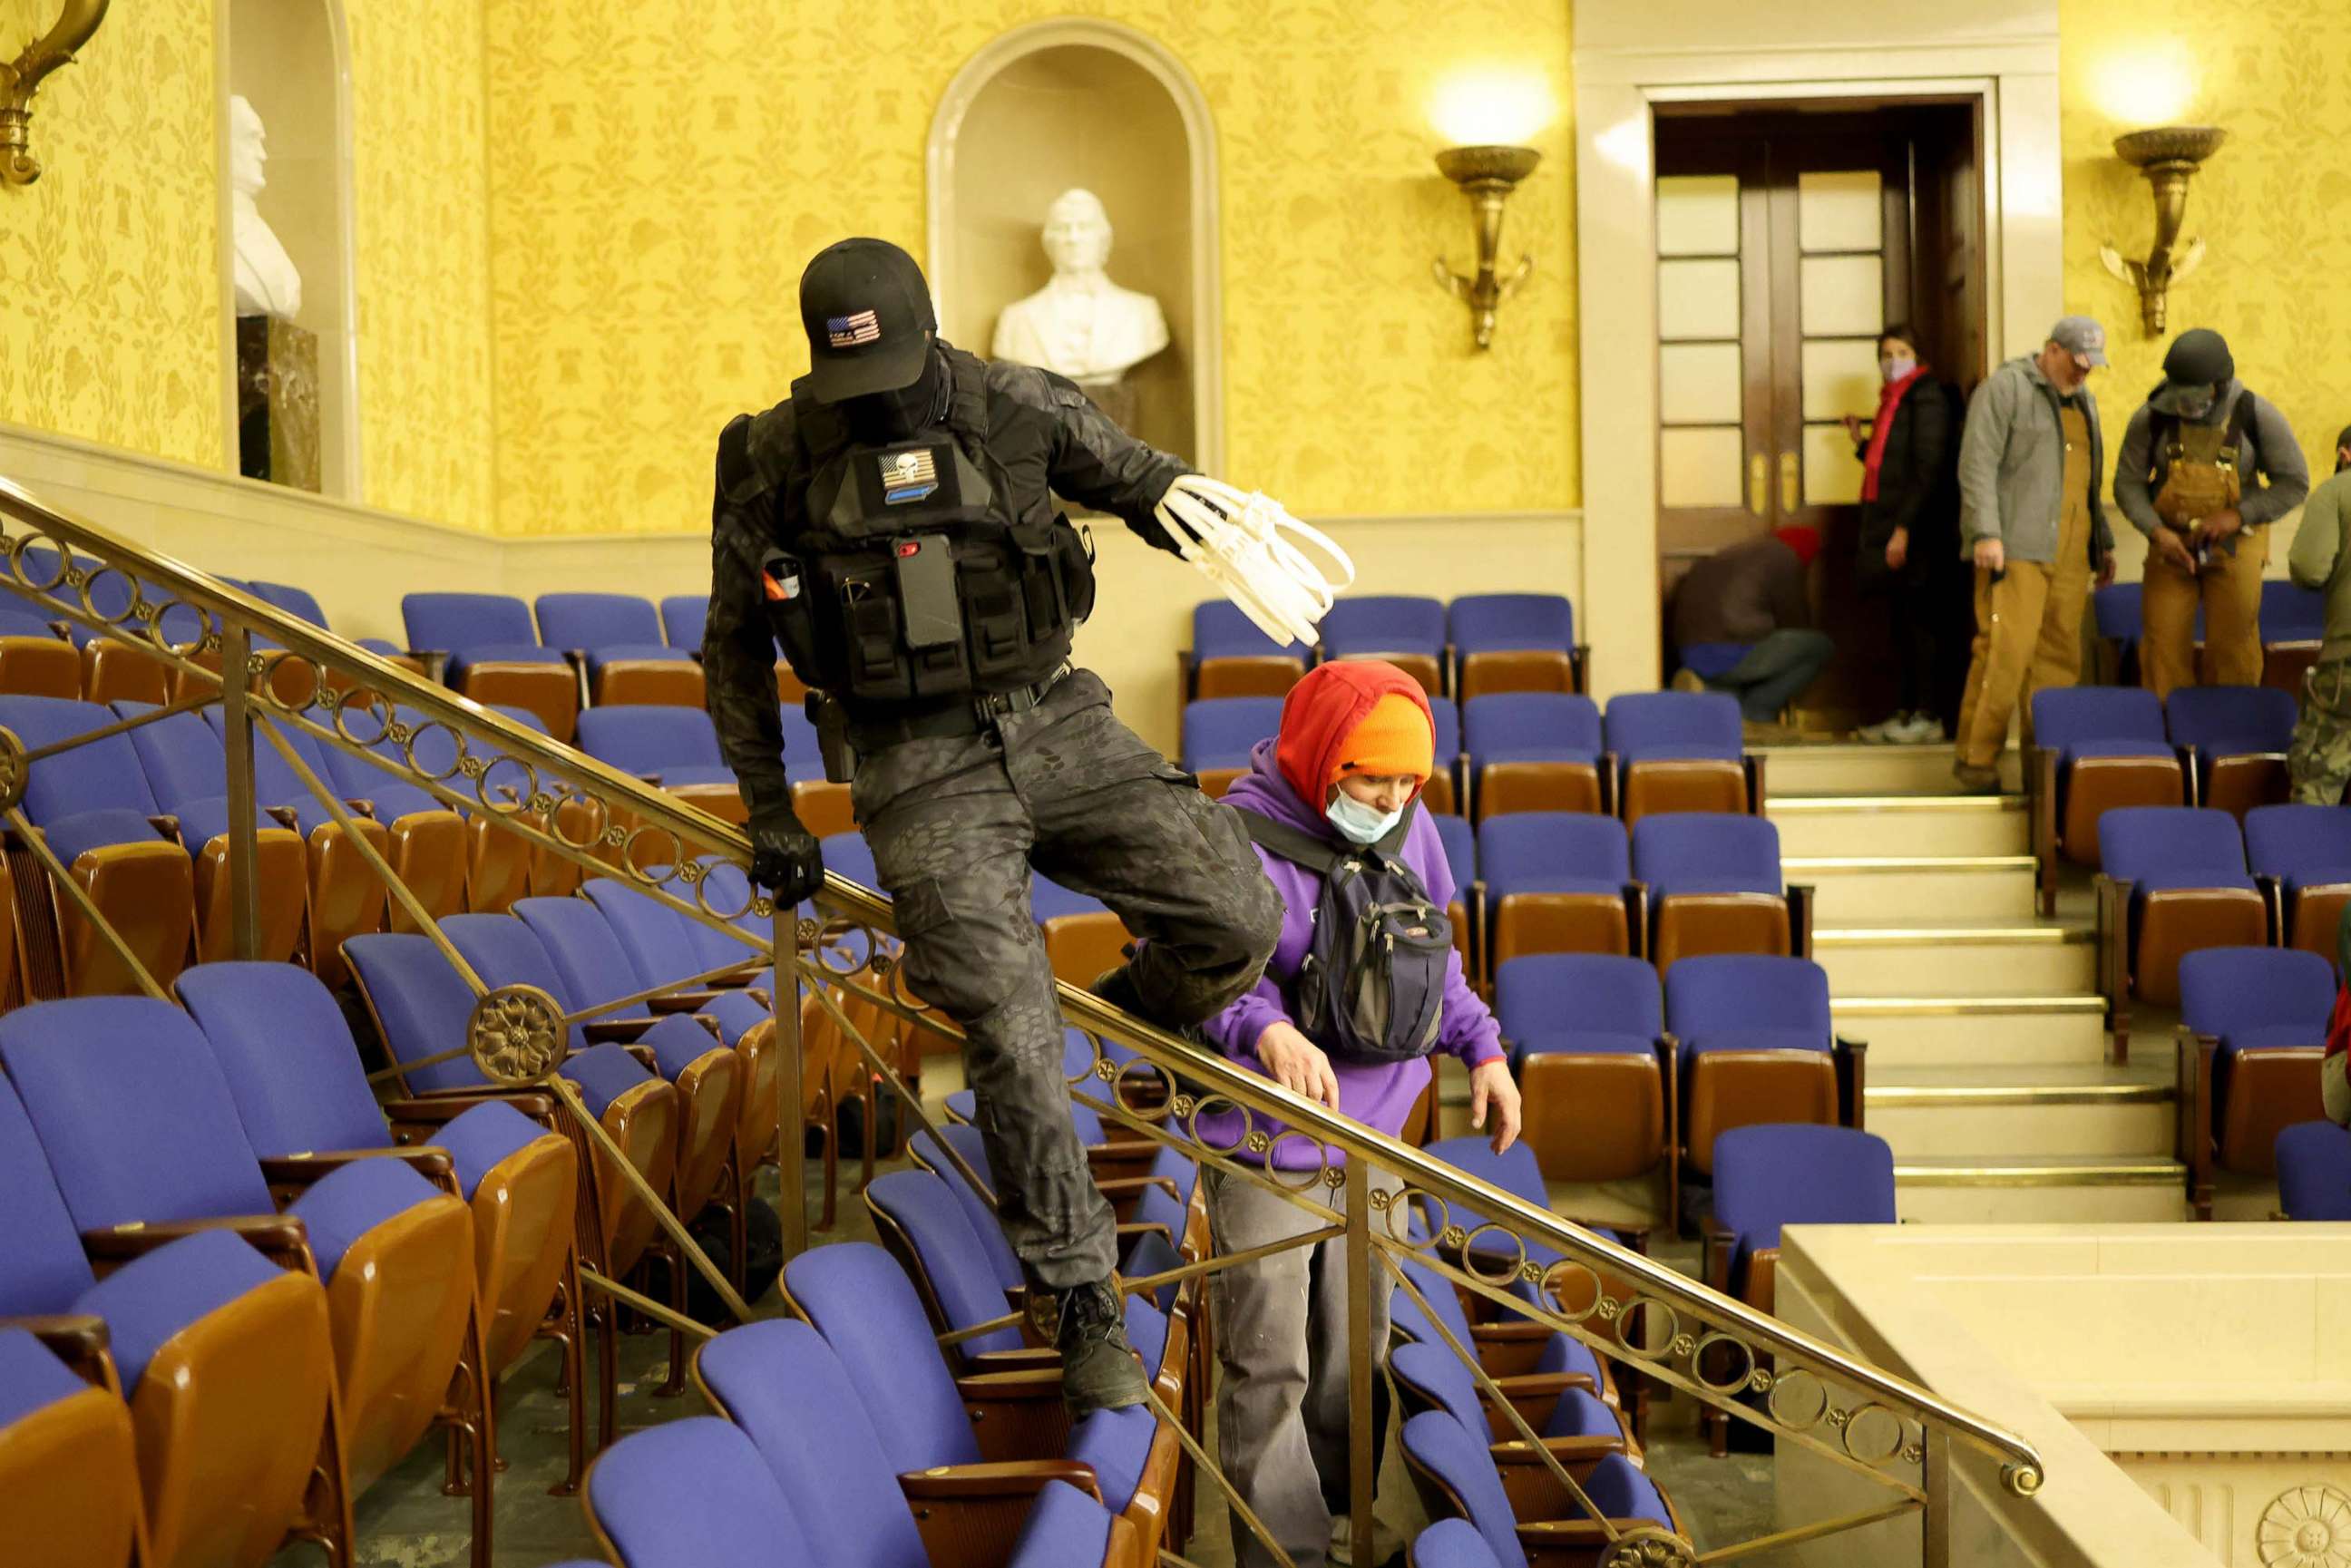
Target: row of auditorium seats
{"type": "Point", "coordinates": [1480, 643]}
{"type": "Point", "coordinates": [2099, 747]}
{"type": "Point", "coordinates": [1532, 881]}
{"type": "Point", "coordinates": [1624, 1078]}
{"type": "Point", "coordinates": [139, 819]}
{"type": "Point", "coordinates": [580, 650]}
{"type": "Point", "coordinates": [2253, 1026]}
{"type": "Point", "coordinates": [2176, 880]}
{"type": "Point", "coordinates": [280, 1326]}
{"type": "Point", "coordinates": [1535, 751]}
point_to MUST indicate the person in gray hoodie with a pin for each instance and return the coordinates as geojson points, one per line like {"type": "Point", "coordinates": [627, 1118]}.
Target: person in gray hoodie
{"type": "Point", "coordinates": [2206, 466]}
{"type": "Point", "coordinates": [2031, 521]}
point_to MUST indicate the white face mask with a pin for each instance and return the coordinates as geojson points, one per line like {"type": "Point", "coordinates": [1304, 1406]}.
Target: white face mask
{"type": "Point", "coordinates": [1894, 367]}
{"type": "Point", "coordinates": [1360, 823]}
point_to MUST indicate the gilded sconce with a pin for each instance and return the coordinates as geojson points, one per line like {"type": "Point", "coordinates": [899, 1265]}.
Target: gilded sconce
{"type": "Point", "coordinates": [2168, 157]}
{"type": "Point", "coordinates": [22, 78]}
{"type": "Point", "coordinates": [1486, 175]}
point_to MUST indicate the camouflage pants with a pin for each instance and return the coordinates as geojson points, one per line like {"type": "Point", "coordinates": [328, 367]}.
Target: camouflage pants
{"type": "Point", "coordinates": [2319, 761]}
{"type": "Point", "coordinates": [956, 823]}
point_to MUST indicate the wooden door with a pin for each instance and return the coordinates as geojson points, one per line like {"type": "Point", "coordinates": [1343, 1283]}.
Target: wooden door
{"type": "Point", "coordinates": [1786, 243]}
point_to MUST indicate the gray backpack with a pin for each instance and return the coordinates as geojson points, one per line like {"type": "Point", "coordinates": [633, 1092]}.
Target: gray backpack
{"type": "Point", "coordinates": [1372, 986]}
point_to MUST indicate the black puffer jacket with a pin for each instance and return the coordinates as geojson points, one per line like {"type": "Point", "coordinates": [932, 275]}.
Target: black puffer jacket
{"type": "Point", "coordinates": [1917, 486]}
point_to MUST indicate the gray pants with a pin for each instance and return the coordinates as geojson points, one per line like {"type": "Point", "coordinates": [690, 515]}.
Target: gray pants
{"type": "Point", "coordinates": [1282, 1418]}
{"type": "Point", "coordinates": [956, 823]}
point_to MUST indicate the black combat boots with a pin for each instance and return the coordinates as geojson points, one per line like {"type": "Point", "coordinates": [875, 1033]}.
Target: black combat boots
{"type": "Point", "coordinates": [1099, 1368]}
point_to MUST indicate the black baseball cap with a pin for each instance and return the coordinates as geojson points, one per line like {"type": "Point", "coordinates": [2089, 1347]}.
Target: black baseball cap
{"type": "Point", "coordinates": [868, 315]}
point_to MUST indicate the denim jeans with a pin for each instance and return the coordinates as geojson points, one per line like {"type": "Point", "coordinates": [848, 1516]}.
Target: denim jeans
{"type": "Point", "coordinates": [1774, 671]}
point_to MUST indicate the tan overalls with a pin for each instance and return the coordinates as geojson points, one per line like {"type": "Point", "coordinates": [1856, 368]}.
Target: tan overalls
{"type": "Point", "coordinates": [2203, 479]}
{"type": "Point", "coordinates": [2029, 623]}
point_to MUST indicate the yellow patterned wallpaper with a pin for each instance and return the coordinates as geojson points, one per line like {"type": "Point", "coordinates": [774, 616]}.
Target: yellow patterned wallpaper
{"type": "Point", "coordinates": [423, 266]}
{"type": "Point", "coordinates": [658, 183]}
{"type": "Point", "coordinates": [109, 323]}
{"type": "Point", "coordinates": [2271, 203]}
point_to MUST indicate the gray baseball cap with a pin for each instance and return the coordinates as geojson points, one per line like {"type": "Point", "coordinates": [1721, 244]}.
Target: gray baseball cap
{"type": "Point", "coordinates": [2081, 336]}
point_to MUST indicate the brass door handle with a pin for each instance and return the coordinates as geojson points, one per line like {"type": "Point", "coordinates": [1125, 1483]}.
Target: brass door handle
{"type": "Point", "coordinates": [1759, 484]}
{"type": "Point", "coordinates": [1788, 482]}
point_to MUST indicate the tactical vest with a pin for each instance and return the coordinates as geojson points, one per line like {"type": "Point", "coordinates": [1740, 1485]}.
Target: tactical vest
{"type": "Point", "coordinates": [2195, 467]}
{"type": "Point", "coordinates": [911, 577]}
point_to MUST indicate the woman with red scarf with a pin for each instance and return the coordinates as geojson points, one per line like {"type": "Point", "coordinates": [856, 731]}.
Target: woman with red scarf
{"type": "Point", "coordinates": [1909, 535]}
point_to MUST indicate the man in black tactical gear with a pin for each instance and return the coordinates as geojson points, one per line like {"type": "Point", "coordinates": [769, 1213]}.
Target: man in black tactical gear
{"type": "Point", "coordinates": [891, 526]}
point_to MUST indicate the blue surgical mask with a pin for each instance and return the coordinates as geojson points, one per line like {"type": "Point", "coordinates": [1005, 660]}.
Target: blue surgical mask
{"type": "Point", "coordinates": [1359, 822]}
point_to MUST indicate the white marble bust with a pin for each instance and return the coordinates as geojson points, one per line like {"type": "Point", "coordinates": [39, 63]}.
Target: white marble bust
{"type": "Point", "coordinates": [1081, 325]}
{"type": "Point", "coordinates": [266, 282]}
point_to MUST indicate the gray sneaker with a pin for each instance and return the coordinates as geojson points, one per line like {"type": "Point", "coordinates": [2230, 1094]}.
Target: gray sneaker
{"type": "Point", "coordinates": [1100, 1369]}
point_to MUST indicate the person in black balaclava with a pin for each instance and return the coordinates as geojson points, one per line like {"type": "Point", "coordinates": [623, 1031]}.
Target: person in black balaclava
{"type": "Point", "coordinates": [892, 524]}
{"type": "Point", "coordinates": [2206, 466]}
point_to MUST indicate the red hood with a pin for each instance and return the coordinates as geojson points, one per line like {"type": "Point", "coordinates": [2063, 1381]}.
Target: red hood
{"type": "Point", "coordinates": [1323, 709]}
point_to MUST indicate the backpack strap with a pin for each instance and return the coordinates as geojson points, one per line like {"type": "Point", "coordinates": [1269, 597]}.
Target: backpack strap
{"type": "Point", "coordinates": [967, 395]}
{"type": "Point", "coordinates": [1299, 848]}
{"type": "Point", "coordinates": [2162, 429]}
{"type": "Point", "coordinates": [1311, 851]}
{"type": "Point", "coordinates": [2241, 431]}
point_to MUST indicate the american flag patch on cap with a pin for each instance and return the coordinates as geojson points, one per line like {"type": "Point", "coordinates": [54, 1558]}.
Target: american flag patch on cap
{"type": "Point", "coordinates": [852, 331]}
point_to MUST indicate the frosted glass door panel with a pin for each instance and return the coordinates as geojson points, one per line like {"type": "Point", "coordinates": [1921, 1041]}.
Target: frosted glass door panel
{"type": "Point", "coordinates": [1842, 296]}
{"type": "Point", "coordinates": [1697, 299]}
{"type": "Point", "coordinates": [1699, 468]}
{"type": "Point", "coordinates": [1697, 384]}
{"type": "Point", "coordinates": [1840, 377]}
{"type": "Point", "coordinates": [1841, 209]}
{"type": "Point", "coordinates": [1698, 214]}
{"type": "Point", "coordinates": [1832, 473]}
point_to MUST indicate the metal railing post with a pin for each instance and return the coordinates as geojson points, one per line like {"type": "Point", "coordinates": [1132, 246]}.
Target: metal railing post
{"type": "Point", "coordinates": [1363, 1456]}
{"type": "Point", "coordinates": [244, 845]}
{"type": "Point", "coordinates": [1934, 1519]}
{"type": "Point", "coordinates": [791, 1170]}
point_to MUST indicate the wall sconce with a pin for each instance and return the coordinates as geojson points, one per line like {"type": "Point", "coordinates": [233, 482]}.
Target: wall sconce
{"type": "Point", "coordinates": [1486, 175]}
{"type": "Point", "coordinates": [2166, 157]}
{"type": "Point", "coordinates": [22, 78]}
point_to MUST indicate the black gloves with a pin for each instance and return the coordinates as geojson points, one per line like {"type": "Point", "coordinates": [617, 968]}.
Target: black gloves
{"type": "Point", "coordinates": [785, 856]}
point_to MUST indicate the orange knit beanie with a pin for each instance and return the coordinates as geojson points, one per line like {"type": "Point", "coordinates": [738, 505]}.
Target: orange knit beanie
{"type": "Point", "coordinates": [1395, 737]}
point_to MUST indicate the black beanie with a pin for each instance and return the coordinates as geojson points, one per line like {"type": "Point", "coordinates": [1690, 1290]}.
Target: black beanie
{"type": "Point", "coordinates": [2198, 357]}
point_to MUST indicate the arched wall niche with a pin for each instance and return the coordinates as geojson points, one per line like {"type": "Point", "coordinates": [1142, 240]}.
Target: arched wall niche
{"type": "Point", "coordinates": [291, 61]}
{"type": "Point", "coordinates": [1078, 102]}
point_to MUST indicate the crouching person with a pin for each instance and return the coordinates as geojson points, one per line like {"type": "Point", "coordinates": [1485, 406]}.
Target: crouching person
{"type": "Point", "coordinates": [1339, 786]}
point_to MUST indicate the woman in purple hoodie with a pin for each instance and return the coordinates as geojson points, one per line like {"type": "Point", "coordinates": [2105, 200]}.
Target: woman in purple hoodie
{"type": "Point", "coordinates": [1356, 746]}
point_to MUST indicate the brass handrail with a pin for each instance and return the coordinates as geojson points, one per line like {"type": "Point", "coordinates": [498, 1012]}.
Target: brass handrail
{"type": "Point", "coordinates": [1191, 1076]}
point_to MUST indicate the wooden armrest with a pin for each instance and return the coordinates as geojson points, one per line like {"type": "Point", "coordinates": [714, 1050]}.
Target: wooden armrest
{"type": "Point", "coordinates": [1150, 1228]}
{"type": "Point", "coordinates": [1566, 1450]}
{"type": "Point", "coordinates": [284, 817]}
{"type": "Point", "coordinates": [1027, 1356]}
{"type": "Point", "coordinates": [1015, 1478]}
{"type": "Point", "coordinates": [281, 1237]}
{"type": "Point", "coordinates": [1124, 1187]}
{"type": "Point", "coordinates": [80, 1340]}
{"type": "Point", "coordinates": [1559, 1532]}
{"type": "Point", "coordinates": [679, 1002]}
{"type": "Point", "coordinates": [437, 1109]}
{"type": "Point", "coordinates": [1029, 1383]}
{"type": "Point", "coordinates": [623, 1032]}
{"type": "Point", "coordinates": [302, 1169]}
{"type": "Point", "coordinates": [1528, 1384]}
{"type": "Point", "coordinates": [1510, 1332]}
